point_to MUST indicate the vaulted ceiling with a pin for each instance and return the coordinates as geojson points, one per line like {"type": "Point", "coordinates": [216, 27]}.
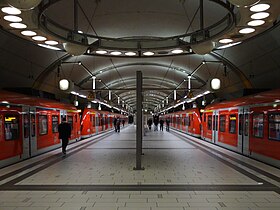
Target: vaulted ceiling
{"type": "Point", "coordinates": [158, 26]}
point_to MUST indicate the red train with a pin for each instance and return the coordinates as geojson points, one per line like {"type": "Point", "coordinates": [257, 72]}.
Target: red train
{"type": "Point", "coordinates": [248, 125]}
{"type": "Point", "coordinates": [29, 126]}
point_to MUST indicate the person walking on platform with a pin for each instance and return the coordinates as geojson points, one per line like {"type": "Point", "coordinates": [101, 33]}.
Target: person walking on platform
{"type": "Point", "coordinates": [167, 124]}
{"type": "Point", "coordinates": [161, 124]}
{"type": "Point", "coordinates": [123, 121]}
{"type": "Point", "coordinates": [118, 123]}
{"type": "Point", "coordinates": [115, 124]}
{"type": "Point", "coordinates": [156, 121]}
{"type": "Point", "coordinates": [64, 130]}
{"type": "Point", "coordinates": [150, 122]}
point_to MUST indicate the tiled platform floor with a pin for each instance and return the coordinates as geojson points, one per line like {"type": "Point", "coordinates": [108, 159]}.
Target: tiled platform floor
{"type": "Point", "coordinates": [179, 174]}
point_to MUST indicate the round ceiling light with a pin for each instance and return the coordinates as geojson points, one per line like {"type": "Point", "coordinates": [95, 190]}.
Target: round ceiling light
{"type": "Point", "coordinates": [75, 49]}
{"type": "Point", "coordinates": [24, 4]}
{"type": "Point", "coordinates": [51, 42]}
{"type": "Point", "coordinates": [11, 10]}
{"type": "Point", "coordinates": [101, 52]}
{"type": "Point", "coordinates": [256, 22]}
{"type": "Point", "coordinates": [243, 3]}
{"type": "Point", "coordinates": [260, 7]}
{"type": "Point", "coordinates": [39, 38]}
{"type": "Point", "coordinates": [12, 18]}
{"type": "Point", "coordinates": [215, 84]}
{"type": "Point", "coordinates": [177, 51]}
{"type": "Point", "coordinates": [148, 53]}
{"type": "Point", "coordinates": [28, 33]}
{"type": "Point", "coordinates": [247, 30]}
{"type": "Point", "coordinates": [260, 15]}
{"type": "Point", "coordinates": [203, 48]}
{"type": "Point", "coordinates": [130, 53]}
{"type": "Point", "coordinates": [115, 53]}
{"type": "Point", "coordinates": [225, 41]}
{"type": "Point", "coordinates": [64, 84]}
{"type": "Point", "coordinates": [18, 25]}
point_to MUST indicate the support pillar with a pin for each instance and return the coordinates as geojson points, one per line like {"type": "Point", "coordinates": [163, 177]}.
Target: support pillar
{"type": "Point", "coordinates": [139, 133]}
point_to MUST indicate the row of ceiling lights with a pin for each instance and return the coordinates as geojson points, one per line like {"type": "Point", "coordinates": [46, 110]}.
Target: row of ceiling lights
{"type": "Point", "coordinates": [16, 23]}
{"type": "Point", "coordinates": [257, 20]}
{"type": "Point", "coordinates": [147, 53]}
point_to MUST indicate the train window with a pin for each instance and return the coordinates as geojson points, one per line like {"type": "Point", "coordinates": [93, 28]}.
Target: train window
{"type": "Point", "coordinates": [204, 117]}
{"type": "Point", "coordinates": [70, 121]}
{"type": "Point", "coordinates": [232, 123]}
{"type": "Point", "coordinates": [209, 122]}
{"type": "Point", "coordinates": [222, 123]}
{"type": "Point", "coordinates": [25, 126]}
{"type": "Point", "coordinates": [258, 125]}
{"type": "Point", "coordinates": [43, 124]}
{"type": "Point", "coordinates": [33, 125]}
{"type": "Point", "coordinates": [93, 120]}
{"type": "Point", "coordinates": [216, 123]}
{"type": "Point", "coordinates": [11, 127]}
{"type": "Point", "coordinates": [274, 127]}
{"type": "Point", "coordinates": [55, 123]}
{"type": "Point", "coordinates": [241, 124]}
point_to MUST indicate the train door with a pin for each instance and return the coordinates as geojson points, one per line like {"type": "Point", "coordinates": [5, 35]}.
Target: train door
{"type": "Point", "coordinates": [215, 126]}
{"type": "Point", "coordinates": [26, 147]}
{"type": "Point", "coordinates": [33, 131]}
{"type": "Point", "coordinates": [243, 130]}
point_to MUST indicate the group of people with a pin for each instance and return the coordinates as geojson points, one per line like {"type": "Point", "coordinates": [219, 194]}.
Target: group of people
{"type": "Point", "coordinates": [64, 130]}
{"type": "Point", "coordinates": [156, 122]}
{"type": "Point", "coordinates": [117, 124]}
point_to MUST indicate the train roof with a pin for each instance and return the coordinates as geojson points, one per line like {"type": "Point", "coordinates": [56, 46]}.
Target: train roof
{"type": "Point", "coordinates": [18, 98]}
{"type": "Point", "coordinates": [272, 96]}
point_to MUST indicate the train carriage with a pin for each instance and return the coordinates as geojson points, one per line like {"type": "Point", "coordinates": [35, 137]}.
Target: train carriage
{"type": "Point", "coordinates": [249, 125]}
{"type": "Point", "coordinates": [29, 126]}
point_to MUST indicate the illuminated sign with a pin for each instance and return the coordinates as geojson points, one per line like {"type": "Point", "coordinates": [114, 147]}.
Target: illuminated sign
{"type": "Point", "coordinates": [9, 119]}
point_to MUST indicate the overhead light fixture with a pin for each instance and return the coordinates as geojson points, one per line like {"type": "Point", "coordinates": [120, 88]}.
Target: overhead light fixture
{"type": "Point", "coordinates": [229, 45]}
{"type": "Point", "coordinates": [101, 52]}
{"type": "Point", "coordinates": [256, 23]}
{"type": "Point", "coordinates": [11, 10]}
{"type": "Point", "coordinates": [24, 4]}
{"type": "Point", "coordinates": [247, 30]}
{"type": "Point", "coordinates": [49, 47]}
{"type": "Point", "coordinates": [215, 84]}
{"type": "Point", "coordinates": [12, 18]}
{"type": "Point", "coordinates": [260, 15]}
{"type": "Point", "coordinates": [203, 48]}
{"type": "Point", "coordinates": [99, 107]}
{"type": "Point", "coordinates": [243, 3]}
{"type": "Point", "coordinates": [177, 51]}
{"type": "Point", "coordinates": [76, 103]}
{"type": "Point", "coordinates": [115, 53]}
{"type": "Point", "coordinates": [39, 38]}
{"type": "Point", "coordinates": [28, 33]}
{"type": "Point", "coordinates": [225, 41]}
{"type": "Point", "coordinates": [51, 42]}
{"type": "Point", "coordinates": [64, 84]}
{"type": "Point", "coordinates": [130, 53]}
{"type": "Point", "coordinates": [80, 32]}
{"type": "Point", "coordinates": [18, 25]}
{"type": "Point", "coordinates": [148, 53]}
{"type": "Point", "coordinates": [259, 7]}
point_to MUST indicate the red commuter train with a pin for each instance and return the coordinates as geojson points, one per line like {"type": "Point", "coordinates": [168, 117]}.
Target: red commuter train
{"type": "Point", "coordinates": [29, 125]}
{"type": "Point", "coordinates": [249, 125]}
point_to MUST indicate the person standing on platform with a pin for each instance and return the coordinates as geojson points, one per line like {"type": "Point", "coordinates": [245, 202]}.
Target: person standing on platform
{"type": "Point", "coordinates": [118, 123]}
{"type": "Point", "coordinates": [123, 121]}
{"type": "Point", "coordinates": [115, 124]}
{"type": "Point", "coordinates": [167, 124]}
{"type": "Point", "coordinates": [156, 121]}
{"type": "Point", "coordinates": [150, 122]}
{"type": "Point", "coordinates": [161, 124]}
{"type": "Point", "coordinates": [64, 130]}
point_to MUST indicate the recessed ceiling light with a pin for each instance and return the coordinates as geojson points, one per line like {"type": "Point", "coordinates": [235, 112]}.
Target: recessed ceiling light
{"type": "Point", "coordinates": [100, 71]}
{"type": "Point", "coordinates": [130, 53]}
{"type": "Point", "coordinates": [225, 41]}
{"type": "Point", "coordinates": [115, 53]}
{"type": "Point", "coordinates": [256, 22]}
{"type": "Point", "coordinates": [39, 38]}
{"type": "Point", "coordinates": [49, 47]}
{"type": "Point", "coordinates": [101, 52]}
{"type": "Point", "coordinates": [177, 51]}
{"type": "Point", "coordinates": [80, 32]}
{"type": "Point", "coordinates": [28, 33]}
{"type": "Point", "coordinates": [51, 42]}
{"type": "Point", "coordinates": [260, 7]}
{"type": "Point", "coordinates": [18, 25]}
{"type": "Point", "coordinates": [260, 15]}
{"type": "Point", "coordinates": [247, 30]}
{"type": "Point", "coordinates": [12, 18]}
{"type": "Point", "coordinates": [148, 53]}
{"type": "Point", "coordinates": [11, 10]}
